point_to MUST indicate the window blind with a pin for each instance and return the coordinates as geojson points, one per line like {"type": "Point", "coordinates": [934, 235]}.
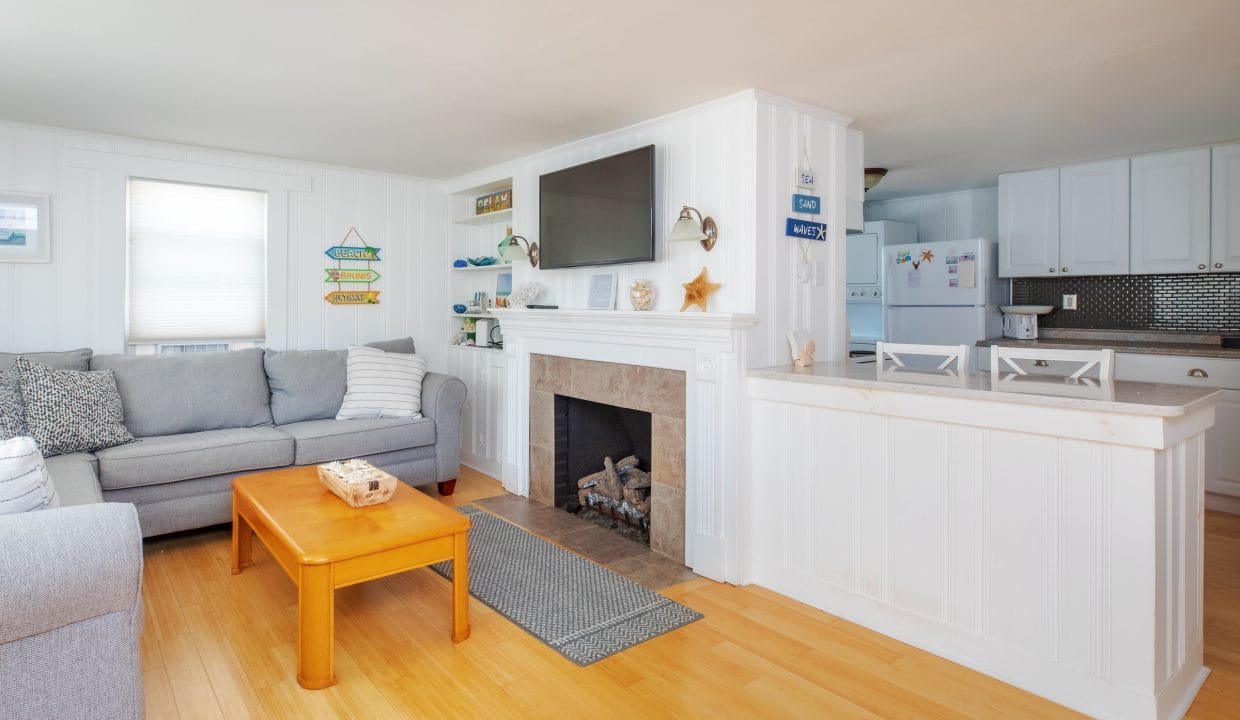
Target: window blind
{"type": "Point", "coordinates": [197, 262]}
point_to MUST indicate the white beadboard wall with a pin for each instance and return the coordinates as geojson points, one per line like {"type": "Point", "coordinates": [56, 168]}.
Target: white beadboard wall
{"type": "Point", "coordinates": [944, 216]}
{"type": "Point", "coordinates": [734, 159]}
{"type": "Point", "coordinates": [79, 298]}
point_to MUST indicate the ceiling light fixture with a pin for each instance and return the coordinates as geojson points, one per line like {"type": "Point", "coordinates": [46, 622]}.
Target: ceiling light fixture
{"type": "Point", "coordinates": [873, 176]}
{"type": "Point", "coordinates": [687, 229]}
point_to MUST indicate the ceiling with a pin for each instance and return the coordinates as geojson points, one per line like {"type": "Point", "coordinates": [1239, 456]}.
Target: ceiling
{"type": "Point", "coordinates": [948, 93]}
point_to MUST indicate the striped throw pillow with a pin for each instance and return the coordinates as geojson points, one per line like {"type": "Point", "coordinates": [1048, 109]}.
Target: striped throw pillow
{"type": "Point", "coordinates": [24, 482]}
{"type": "Point", "coordinates": [382, 385]}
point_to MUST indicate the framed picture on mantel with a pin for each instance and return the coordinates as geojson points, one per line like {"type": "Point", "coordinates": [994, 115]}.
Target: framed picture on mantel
{"type": "Point", "coordinates": [602, 292]}
{"type": "Point", "coordinates": [25, 228]}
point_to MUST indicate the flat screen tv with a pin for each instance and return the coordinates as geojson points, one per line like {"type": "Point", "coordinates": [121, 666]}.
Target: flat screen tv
{"type": "Point", "coordinates": [599, 213]}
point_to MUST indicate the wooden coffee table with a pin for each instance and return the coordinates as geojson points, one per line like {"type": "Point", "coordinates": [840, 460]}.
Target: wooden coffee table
{"type": "Point", "coordinates": [324, 544]}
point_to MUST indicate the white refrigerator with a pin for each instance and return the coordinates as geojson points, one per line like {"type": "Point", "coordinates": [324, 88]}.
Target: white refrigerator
{"type": "Point", "coordinates": [944, 293]}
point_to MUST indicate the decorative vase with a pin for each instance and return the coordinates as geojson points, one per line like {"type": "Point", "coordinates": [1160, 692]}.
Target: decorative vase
{"type": "Point", "coordinates": [641, 295]}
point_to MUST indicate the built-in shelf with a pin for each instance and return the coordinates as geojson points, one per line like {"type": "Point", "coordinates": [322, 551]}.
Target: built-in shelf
{"type": "Point", "coordinates": [478, 347]}
{"type": "Point", "coordinates": [486, 218]}
{"type": "Point", "coordinates": [477, 268]}
{"type": "Point", "coordinates": [471, 315]}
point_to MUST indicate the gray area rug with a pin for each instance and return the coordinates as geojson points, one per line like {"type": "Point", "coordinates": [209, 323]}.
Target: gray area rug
{"type": "Point", "coordinates": [582, 610]}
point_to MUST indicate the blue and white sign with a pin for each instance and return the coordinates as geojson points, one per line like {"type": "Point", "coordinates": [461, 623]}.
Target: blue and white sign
{"type": "Point", "coordinates": [808, 204]}
{"type": "Point", "coordinates": [805, 229]}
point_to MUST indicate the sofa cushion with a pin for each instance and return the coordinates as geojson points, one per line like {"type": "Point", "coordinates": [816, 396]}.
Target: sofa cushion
{"type": "Point", "coordinates": [323, 440]}
{"type": "Point", "coordinates": [168, 458]}
{"type": "Point", "coordinates": [310, 384]}
{"type": "Point", "coordinates": [76, 477]}
{"type": "Point", "coordinates": [12, 412]}
{"type": "Point", "coordinates": [71, 411]}
{"type": "Point", "coordinates": [190, 392]}
{"type": "Point", "coordinates": [382, 384]}
{"type": "Point", "coordinates": [67, 360]}
{"type": "Point", "coordinates": [24, 481]}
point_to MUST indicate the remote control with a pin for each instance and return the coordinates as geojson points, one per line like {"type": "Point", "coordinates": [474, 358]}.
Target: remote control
{"type": "Point", "coordinates": [543, 307]}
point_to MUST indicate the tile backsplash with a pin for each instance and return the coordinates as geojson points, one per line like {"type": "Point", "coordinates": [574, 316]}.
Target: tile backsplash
{"type": "Point", "coordinates": [1208, 302]}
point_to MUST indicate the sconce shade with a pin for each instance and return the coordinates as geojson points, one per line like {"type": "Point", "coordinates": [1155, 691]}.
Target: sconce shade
{"type": "Point", "coordinates": [687, 229]}
{"type": "Point", "coordinates": [510, 250]}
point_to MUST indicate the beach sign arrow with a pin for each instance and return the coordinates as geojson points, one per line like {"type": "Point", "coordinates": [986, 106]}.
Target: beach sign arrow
{"type": "Point", "coordinates": [352, 297]}
{"type": "Point", "coordinates": [351, 275]}
{"type": "Point", "coordinates": [348, 252]}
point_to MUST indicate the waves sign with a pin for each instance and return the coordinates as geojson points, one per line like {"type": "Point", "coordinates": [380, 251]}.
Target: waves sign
{"type": "Point", "coordinates": [805, 229]}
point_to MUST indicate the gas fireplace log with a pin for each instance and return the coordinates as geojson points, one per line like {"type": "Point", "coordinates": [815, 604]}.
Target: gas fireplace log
{"type": "Point", "coordinates": [639, 498]}
{"type": "Point", "coordinates": [593, 479]}
{"type": "Point", "coordinates": [635, 478]}
{"type": "Point", "coordinates": [611, 485]}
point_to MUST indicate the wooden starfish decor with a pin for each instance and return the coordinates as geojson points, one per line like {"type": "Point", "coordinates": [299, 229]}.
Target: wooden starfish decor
{"type": "Point", "coordinates": [699, 291]}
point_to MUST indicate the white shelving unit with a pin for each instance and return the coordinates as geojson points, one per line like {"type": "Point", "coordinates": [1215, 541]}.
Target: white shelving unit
{"type": "Point", "coordinates": [481, 368]}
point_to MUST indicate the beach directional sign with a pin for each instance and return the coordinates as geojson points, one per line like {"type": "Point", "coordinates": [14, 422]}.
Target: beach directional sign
{"type": "Point", "coordinates": [352, 297]}
{"type": "Point", "coordinates": [350, 275]}
{"type": "Point", "coordinates": [347, 252]}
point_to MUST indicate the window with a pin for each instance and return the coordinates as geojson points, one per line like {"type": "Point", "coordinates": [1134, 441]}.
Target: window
{"type": "Point", "coordinates": [197, 264]}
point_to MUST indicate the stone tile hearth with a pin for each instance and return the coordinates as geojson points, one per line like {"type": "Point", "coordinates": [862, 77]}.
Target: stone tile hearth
{"type": "Point", "coordinates": [658, 391]}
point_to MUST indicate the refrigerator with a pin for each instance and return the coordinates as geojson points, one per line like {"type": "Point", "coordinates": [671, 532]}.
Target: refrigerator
{"type": "Point", "coordinates": [943, 293]}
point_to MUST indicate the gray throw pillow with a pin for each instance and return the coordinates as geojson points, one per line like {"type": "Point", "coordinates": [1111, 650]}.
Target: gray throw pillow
{"type": "Point", "coordinates": [64, 360]}
{"type": "Point", "coordinates": [310, 384]}
{"type": "Point", "coordinates": [12, 412]}
{"type": "Point", "coordinates": [71, 411]}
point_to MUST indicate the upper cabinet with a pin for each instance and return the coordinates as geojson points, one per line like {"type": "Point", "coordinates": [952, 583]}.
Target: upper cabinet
{"type": "Point", "coordinates": [1029, 223]}
{"type": "Point", "coordinates": [1225, 228]}
{"type": "Point", "coordinates": [862, 259]}
{"type": "Point", "coordinates": [1093, 218]}
{"type": "Point", "coordinates": [1171, 212]}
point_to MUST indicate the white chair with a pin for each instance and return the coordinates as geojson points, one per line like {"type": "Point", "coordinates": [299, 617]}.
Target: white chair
{"type": "Point", "coordinates": [959, 354]}
{"type": "Point", "coordinates": [1004, 358]}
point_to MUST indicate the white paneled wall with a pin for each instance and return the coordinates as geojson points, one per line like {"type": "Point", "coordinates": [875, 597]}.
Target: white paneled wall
{"type": "Point", "coordinates": [79, 298]}
{"type": "Point", "coordinates": [481, 418]}
{"type": "Point", "coordinates": [945, 216]}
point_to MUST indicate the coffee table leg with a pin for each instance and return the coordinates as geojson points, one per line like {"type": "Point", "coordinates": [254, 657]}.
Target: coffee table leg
{"type": "Point", "coordinates": [242, 541]}
{"type": "Point", "coordinates": [315, 610]}
{"type": "Point", "coordinates": [460, 587]}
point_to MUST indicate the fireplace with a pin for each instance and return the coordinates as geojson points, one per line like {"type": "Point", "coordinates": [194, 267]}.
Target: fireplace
{"type": "Point", "coordinates": [582, 411]}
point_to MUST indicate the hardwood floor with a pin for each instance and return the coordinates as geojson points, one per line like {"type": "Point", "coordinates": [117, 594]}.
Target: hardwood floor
{"type": "Point", "coordinates": [223, 646]}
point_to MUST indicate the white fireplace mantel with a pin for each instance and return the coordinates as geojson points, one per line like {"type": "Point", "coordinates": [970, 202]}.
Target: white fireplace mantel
{"type": "Point", "coordinates": [710, 348]}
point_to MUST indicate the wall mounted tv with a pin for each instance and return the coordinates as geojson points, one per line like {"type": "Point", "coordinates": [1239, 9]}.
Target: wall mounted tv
{"type": "Point", "coordinates": [599, 213]}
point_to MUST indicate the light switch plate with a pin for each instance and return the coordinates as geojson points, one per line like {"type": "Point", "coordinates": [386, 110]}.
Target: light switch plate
{"type": "Point", "coordinates": [1069, 302]}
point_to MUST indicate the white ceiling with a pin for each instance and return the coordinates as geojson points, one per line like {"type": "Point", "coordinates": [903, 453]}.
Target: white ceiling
{"type": "Point", "coordinates": [948, 92]}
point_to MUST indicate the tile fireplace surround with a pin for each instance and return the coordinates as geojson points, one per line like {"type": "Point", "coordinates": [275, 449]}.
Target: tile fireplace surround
{"type": "Point", "coordinates": [658, 391]}
{"type": "Point", "coordinates": [706, 350]}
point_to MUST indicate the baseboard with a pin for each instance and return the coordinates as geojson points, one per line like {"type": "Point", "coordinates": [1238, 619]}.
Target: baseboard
{"type": "Point", "coordinates": [1223, 503]}
{"type": "Point", "coordinates": [481, 464]}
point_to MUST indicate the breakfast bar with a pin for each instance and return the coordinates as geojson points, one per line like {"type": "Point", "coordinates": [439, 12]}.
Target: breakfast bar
{"type": "Point", "coordinates": [1042, 530]}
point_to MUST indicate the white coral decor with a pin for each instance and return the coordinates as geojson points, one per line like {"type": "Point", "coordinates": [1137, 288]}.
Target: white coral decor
{"type": "Point", "coordinates": [524, 295]}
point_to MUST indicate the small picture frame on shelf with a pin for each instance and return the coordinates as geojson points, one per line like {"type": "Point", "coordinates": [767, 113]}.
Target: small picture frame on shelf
{"type": "Point", "coordinates": [602, 292]}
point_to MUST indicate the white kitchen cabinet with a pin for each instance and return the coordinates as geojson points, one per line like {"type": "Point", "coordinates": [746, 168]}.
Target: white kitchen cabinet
{"type": "Point", "coordinates": [862, 259]}
{"type": "Point", "coordinates": [1093, 218]}
{"type": "Point", "coordinates": [482, 371]}
{"type": "Point", "coordinates": [1225, 225]}
{"type": "Point", "coordinates": [1171, 212]}
{"type": "Point", "coordinates": [1029, 223]}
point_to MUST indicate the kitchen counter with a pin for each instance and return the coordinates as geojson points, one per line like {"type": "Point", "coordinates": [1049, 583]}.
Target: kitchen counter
{"type": "Point", "coordinates": [1044, 532]}
{"type": "Point", "coordinates": [1130, 398]}
{"type": "Point", "coordinates": [1124, 341]}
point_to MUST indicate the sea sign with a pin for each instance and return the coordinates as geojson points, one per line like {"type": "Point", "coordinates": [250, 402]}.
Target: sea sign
{"type": "Point", "coordinates": [348, 275]}
{"type": "Point", "coordinates": [807, 229]}
{"type": "Point", "coordinates": [808, 204]}
{"type": "Point", "coordinates": [350, 297]}
{"type": "Point", "coordinates": [344, 252]}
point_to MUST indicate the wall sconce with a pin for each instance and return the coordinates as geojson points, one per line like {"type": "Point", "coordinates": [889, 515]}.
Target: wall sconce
{"type": "Point", "coordinates": [873, 176]}
{"type": "Point", "coordinates": [510, 249]}
{"type": "Point", "coordinates": [687, 229]}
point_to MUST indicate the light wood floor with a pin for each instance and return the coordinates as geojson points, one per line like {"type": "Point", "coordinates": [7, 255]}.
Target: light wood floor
{"type": "Point", "coordinates": [223, 646]}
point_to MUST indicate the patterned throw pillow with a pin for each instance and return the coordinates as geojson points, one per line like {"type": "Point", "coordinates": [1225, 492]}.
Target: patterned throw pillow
{"type": "Point", "coordinates": [71, 411]}
{"type": "Point", "coordinates": [382, 385]}
{"type": "Point", "coordinates": [12, 413]}
{"type": "Point", "coordinates": [24, 482]}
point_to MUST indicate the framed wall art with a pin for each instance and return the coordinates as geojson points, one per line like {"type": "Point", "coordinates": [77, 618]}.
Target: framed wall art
{"type": "Point", "coordinates": [25, 228]}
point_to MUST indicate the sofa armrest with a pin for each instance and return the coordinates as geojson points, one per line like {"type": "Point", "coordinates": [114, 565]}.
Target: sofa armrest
{"type": "Point", "coordinates": [66, 565]}
{"type": "Point", "coordinates": [443, 396]}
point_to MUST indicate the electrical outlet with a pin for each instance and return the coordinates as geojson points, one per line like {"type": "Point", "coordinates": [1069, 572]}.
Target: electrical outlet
{"type": "Point", "coordinates": [1069, 302]}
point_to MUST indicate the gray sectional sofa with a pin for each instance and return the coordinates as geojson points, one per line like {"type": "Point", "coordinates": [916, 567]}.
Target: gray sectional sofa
{"type": "Point", "coordinates": [70, 604]}
{"type": "Point", "coordinates": [201, 419]}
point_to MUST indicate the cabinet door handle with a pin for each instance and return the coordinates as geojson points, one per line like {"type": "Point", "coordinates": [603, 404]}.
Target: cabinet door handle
{"type": "Point", "coordinates": [1063, 269]}
{"type": "Point", "coordinates": [1218, 265]}
{"type": "Point", "coordinates": [1051, 269]}
{"type": "Point", "coordinates": [1201, 267]}
{"type": "Point", "coordinates": [1198, 372]}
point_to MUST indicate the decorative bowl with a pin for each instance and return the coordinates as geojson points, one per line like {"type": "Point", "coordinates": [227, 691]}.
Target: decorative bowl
{"type": "Point", "coordinates": [1026, 309]}
{"type": "Point", "coordinates": [482, 261]}
{"type": "Point", "coordinates": [458, 308]}
{"type": "Point", "coordinates": [459, 263]}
